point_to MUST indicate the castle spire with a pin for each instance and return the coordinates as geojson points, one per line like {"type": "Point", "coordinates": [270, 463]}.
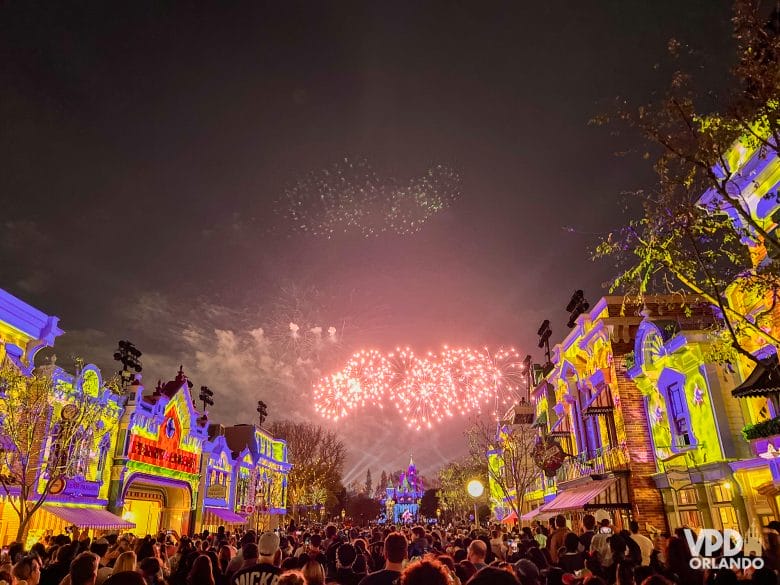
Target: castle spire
{"type": "Point", "coordinates": [411, 460]}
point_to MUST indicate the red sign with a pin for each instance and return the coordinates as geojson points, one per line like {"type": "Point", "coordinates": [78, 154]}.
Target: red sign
{"type": "Point", "coordinates": [548, 455]}
{"type": "Point", "coordinates": [165, 451]}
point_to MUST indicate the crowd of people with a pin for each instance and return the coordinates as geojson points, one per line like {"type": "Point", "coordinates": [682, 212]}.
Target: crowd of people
{"type": "Point", "coordinates": [554, 554]}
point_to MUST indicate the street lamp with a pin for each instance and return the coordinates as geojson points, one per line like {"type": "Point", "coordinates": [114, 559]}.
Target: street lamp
{"type": "Point", "coordinates": [475, 489]}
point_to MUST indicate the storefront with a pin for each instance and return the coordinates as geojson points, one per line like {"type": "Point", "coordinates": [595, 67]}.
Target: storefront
{"type": "Point", "coordinates": [217, 486]}
{"type": "Point", "coordinates": [157, 468]}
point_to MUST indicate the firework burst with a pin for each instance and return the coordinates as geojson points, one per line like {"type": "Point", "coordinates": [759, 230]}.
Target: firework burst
{"type": "Point", "coordinates": [349, 197]}
{"type": "Point", "coordinates": [424, 390]}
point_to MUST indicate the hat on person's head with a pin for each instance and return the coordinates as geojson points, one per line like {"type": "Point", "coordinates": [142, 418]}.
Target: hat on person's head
{"type": "Point", "coordinates": [268, 544]}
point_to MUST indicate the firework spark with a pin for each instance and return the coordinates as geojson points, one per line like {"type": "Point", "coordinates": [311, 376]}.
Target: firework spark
{"type": "Point", "coordinates": [424, 390]}
{"type": "Point", "coordinates": [349, 197]}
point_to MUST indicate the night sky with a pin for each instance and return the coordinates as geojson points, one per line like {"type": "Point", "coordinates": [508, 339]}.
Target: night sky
{"type": "Point", "coordinates": [144, 147]}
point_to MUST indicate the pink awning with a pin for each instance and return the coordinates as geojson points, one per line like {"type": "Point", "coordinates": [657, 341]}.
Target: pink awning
{"type": "Point", "coordinates": [228, 516]}
{"type": "Point", "coordinates": [511, 517]}
{"type": "Point", "coordinates": [88, 517]}
{"type": "Point", "coordinates": [576, 498]}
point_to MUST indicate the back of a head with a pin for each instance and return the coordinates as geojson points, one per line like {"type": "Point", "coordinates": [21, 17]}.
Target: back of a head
{"type": "Point", "coordinates": [346, 555]}
{"type": "Point", "coordinates": [83, 569]}
{"type": "Point", "coordinates": [589, 521]}
{"type": "Point", "coordinates": [560, 521]}
{"type": "Point", "coordinates": [316, 540]}
{"type": "Point", "coordinates": [571, 542]}
{"type": "Point", "coordinates": [425, 573]}
{"type": "Point", "coordinates": [633, 526]}
{"type": "Point", "coordinates": [250, 551]}
{"type": "Point", "coordinates": [23, 570]}
{"type": "Point", "coordinates": [396, 547]}
{"type": "Point", "coordinates": [125, 562]}
{"type": "Point", "coordinates": [291, 578]}
{"type": "Point", "coordinates": [125, 578]}
{"type": "Point", "coordinates": [313, 573]}
{"type": "Point", "coordinates": [149, 566]}
{"type": "Point", "coordinates": [65, 553]}
{"type": "Point", "coordinates": [493, 576]}
{"type": "Point", "coordinates": [330, 531]}
{"type": "Point", "coordinates": [478, 549]}
{"type": "Point", "coordinates": [99, 547]}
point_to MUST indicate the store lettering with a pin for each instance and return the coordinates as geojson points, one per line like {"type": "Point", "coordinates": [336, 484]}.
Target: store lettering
{"type": "Point", "coordinates": [148, 452]}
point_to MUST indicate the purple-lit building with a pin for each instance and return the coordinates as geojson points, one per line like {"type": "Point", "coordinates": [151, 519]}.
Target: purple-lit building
{"type": "Point", "coordinates": [402, 501]}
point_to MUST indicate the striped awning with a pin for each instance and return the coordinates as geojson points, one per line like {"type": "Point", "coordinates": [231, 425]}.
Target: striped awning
{"type": "Point", "coordinates": [84, 517]}
{"type": "Point", "coordinates": [762, 381]}
{"type": "Point", "coordinates": [577, 498]}
{"type": "Point", "coordinates": [227, 516]}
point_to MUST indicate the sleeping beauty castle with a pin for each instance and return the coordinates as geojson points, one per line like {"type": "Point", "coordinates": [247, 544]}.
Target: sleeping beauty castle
{"type": "Point", "coordinates": [402, 501]}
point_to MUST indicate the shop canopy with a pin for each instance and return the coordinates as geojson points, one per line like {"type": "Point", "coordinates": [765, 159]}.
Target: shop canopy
{"type": "Point", "coordinates": [88, 517]}
{"type": "Point", "coordinates": [511, 517]}
{"type": "Point", "coordinates": [764, 380]}
{"type": "Point", "coordinates": [228, 516]}
{"type": "Point", "coordinates": [578, 497]}
{"type": "Point", "coordinates": [535, 514]}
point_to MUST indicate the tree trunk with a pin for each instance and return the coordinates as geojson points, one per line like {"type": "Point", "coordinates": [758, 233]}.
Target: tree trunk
{"type": "Point", "coordinates": [23, 523]}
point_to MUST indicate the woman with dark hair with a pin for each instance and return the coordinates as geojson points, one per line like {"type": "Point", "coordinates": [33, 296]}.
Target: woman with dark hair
{"type": "Point", "coordinates": [201, 572]}
{"type": "Point", "coordinates": [536, 556]}
{"type": "Point", "coordinates": [216, 573]}
{"type": "Point", "coordinates": [151, 570]}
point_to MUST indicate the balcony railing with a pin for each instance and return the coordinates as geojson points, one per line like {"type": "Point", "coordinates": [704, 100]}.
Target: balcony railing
{"type": "Point", "coordinates": [606, 459]}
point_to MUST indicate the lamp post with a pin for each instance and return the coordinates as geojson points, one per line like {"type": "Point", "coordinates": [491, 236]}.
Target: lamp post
{"type": "Point", "coordinates": [475, 489]}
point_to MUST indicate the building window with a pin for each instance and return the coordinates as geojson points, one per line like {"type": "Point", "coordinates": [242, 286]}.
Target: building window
{"type": "Point", "coordinates": [687, 496]}
{"type": "Point", "coordinates": [721, 493]}
{"type": "Point", "coordinates": [677, 411]}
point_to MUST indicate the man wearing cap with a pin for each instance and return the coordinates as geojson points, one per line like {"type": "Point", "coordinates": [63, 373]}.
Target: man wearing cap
{"type": "Point", "coordinates": [261, 562]}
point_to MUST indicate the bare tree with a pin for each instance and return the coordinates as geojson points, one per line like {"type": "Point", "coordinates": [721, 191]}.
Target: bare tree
{"type": "Point", "coordinates": [510, 465]}
{"type": "Point", "coordinates": [317, 456]}
{"type": "Point", "coordinates": [45, 428]}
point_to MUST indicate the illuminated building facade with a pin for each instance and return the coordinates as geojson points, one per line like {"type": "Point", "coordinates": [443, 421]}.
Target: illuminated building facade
{"type": "Point", "coordinates": [157, 463]}
{"type": "Point", "coordinates": [753, 172]}
{"type": "Point", "coordinates": [80, 498]}
{"type": "Point", "coordinates": [261, 475]}
{"type": "Point", "coordinates": [590, 405]}
{"type": "Point", "coordinates": [402, 501]}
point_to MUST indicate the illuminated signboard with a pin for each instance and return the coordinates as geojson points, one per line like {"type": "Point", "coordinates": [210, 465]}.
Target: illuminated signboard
{"type": "Point", "coordinates": [164, 452]}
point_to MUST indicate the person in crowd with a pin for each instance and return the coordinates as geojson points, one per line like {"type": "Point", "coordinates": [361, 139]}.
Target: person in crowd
{"type": "Point", "coordinates": [588, 531]}
{"type": "Point", "coordinates": [497, 545]}
{"type": "Point", "coordinates": [314, 551]}
{"type": "Point", "coordinates": [127, 561]}
{"type": "Point", "coordinates": [476, 553]}
{"type": "Point", "coordinates": [314, 573]}
{"type": "Point", "coordinates": [28, 569]}
{"type": "Point", "coordinates": [55, 572]}
{"type": "Point", "coordinates": [395, 552]}
{"type": "Point", "coordinates": [556, 540]}
{"type": "Point", "coordinates": [599, 544]}
{"type": "Point", "coordinates": [572, 560]}
{"type": "Point", "coordinates": [493, 576]}
{"type": "Point", "coordinates": [345, 559]}
{"type": "Point", "coordinates": [540, 537]}
{"type": "Point", "coordinates": [291, 578]}
{"type": "Point", "coordinates": [201, 572]}
{"type": "Point", "coordinates": [645, 544]}
{"type": "Point", "coordinates": [250, 537]}
{"type": "Point", "coordinates": [425, 572]}
{"type": "Point", "coordinates": [151, 570]}
{"type": "Point", "coordinates": [83, 569]}
{"type": "Point", "coordinates": [261, 562]}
